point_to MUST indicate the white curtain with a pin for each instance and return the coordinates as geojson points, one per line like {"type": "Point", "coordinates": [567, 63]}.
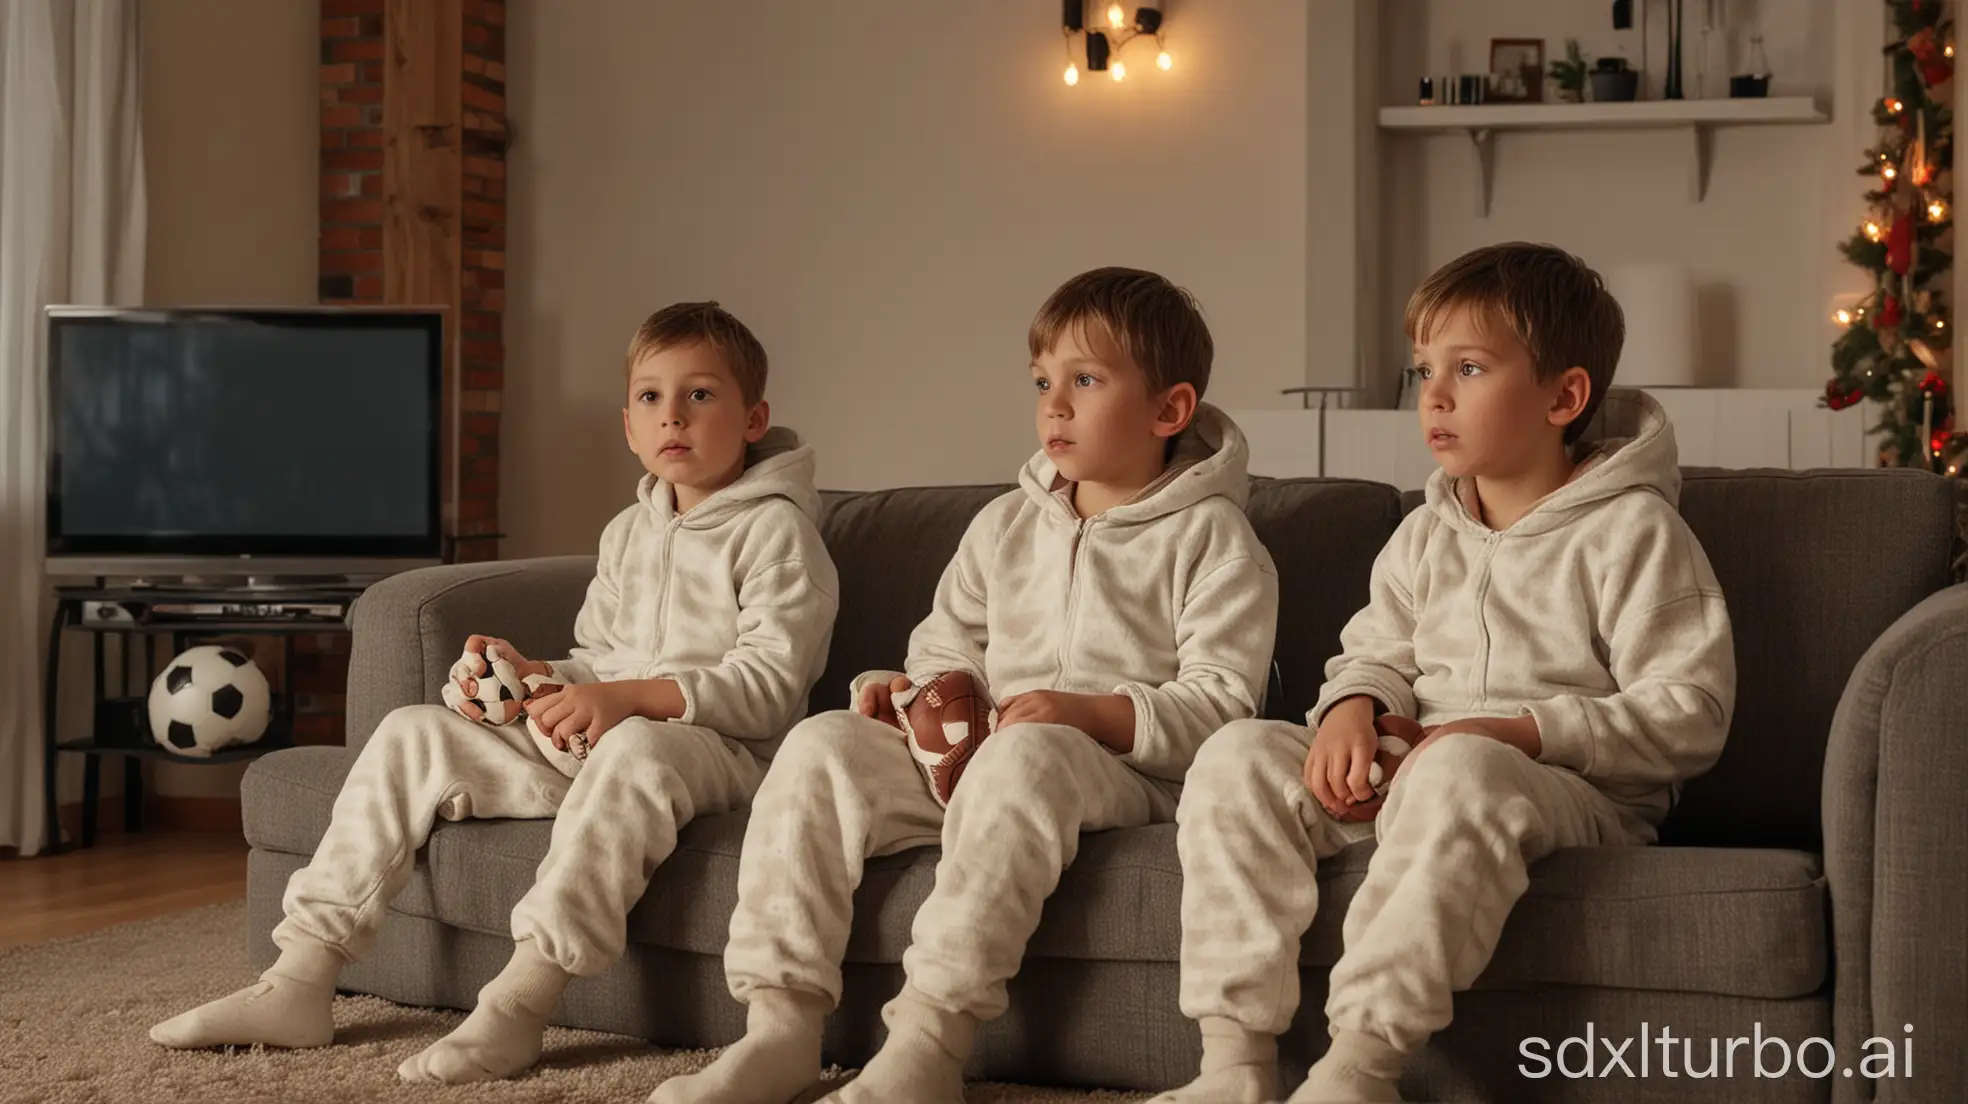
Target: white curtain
{"type": "Point", "coordinates": [71, 231]}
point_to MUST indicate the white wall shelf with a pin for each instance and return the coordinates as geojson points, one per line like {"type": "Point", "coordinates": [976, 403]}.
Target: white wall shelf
{"type": "Point", "coordinates": [1481, 122]}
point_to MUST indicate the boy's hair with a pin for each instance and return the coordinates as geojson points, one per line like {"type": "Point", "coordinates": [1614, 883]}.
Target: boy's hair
{"type": "Point", "coordinates": [1151, 321]}
{"type": "Point", "coordinates": [715, 327]}
{"type": "Point", "coordinates": [1557, 308]}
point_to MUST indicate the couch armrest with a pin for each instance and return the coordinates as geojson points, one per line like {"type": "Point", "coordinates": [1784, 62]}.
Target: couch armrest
{"type": "Point", "coordinates": [409, 628]}
{"type": "Point", "coordinates": [1896, 844]}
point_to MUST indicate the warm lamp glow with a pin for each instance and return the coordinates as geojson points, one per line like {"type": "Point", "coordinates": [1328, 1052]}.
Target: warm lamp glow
{"type": "Point", "coordinates": [1119, 70]}
{"type": "Point", "coordinates": [1165, 61]}
{"type": "Point", "coordinates": [1842, 316]}
{"type": "Point", "coordinates": [1116, 17]}
{"type": "Point", "coordinates": [1072, 75]}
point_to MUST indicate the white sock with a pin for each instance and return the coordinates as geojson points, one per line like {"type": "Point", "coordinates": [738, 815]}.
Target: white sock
{"type": "Point", "coordinates": [778, 1058]}
{"type": "Point", "coordinates": [502, 1035]}
{"type": "Point", "coordinates": [1357, 1069]}
{"type": "Point", "coordinates": [1240, 1066]}
{"type": "Point", "coordinates": [923, 1060]}
{"type": "Point", "coordinates": [292, 1005]}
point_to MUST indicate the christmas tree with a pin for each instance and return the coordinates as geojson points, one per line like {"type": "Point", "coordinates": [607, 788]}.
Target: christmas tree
{"type": "Point", "coordinates": [1895, 348]}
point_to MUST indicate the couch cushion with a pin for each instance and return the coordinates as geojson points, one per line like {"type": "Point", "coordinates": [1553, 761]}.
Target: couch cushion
{"type": "Point", "coordinates": [1747, 923]}
{"type": "Point", "coordinates": [890, 548]}
{"type": "Point", "coordinates": [286, 797]}
{"type": "Point", "coordinates": [1323, 534]}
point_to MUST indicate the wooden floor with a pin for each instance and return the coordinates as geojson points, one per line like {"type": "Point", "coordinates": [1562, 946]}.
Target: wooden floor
{"type": "Point", "coordinates": [121, 879]}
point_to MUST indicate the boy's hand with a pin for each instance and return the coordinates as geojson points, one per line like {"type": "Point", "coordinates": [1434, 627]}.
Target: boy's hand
{"type": "Point", "coordinates": [878, 700]}
{"type": "Point", "coordinates": [1342, 750]}
{"type": "Point", "coordinates": [475, 650]}
{"type": "Point", "coordinates": [1107, 718]}
{"type": "Point", "coordinates": [592, 708]}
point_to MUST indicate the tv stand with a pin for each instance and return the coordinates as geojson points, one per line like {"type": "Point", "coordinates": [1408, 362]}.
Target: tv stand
{"type": "Point", "coordinates": [184, 614]}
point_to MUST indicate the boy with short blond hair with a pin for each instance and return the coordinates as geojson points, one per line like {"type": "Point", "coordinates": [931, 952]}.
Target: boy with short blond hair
{"type": "Point", "coordinates": [1549, 631]}
{"type": "Point", "coordinates": [705, 628]}
{"type": "Point", "coordinates": [1118, 607]}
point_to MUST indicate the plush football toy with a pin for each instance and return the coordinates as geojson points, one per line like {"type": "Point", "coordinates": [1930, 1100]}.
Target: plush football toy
{"type": "Point", "coordinates": [501, 692]}
{"type": "Point", "coordinates": [944, 721]}
{"type": "Point", "coordinates": [1397, 736]}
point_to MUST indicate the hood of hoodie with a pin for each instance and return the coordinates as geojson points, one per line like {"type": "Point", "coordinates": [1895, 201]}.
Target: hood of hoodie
{"type": "Point", "coordinates": [1645, 459]}
{"type": "Point", "coordinates": [778, 465]}
{"type": "Point", "coordinates": [1210, 458]}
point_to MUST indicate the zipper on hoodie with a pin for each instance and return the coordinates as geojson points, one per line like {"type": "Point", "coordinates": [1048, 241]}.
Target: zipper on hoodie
{"type": "Point", "coordinates": [1482, 686]}
{"type": "Point", "coordinates": [666, 578]}
{"type": "Point", "coordinates": [1072, 593]}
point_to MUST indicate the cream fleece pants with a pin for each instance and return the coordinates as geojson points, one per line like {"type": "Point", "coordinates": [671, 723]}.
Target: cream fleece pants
{"type": "Point", "coordinates": [843, 788]}
{"type": "Point", "coordinates": [614, 822]}
{"type": "Point", "coordinates": [1455, 837]}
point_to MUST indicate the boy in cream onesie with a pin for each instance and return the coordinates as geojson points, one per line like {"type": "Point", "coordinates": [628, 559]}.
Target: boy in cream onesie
{"type": "Point", "coordinates": [1556, 631]}
{"type": "Point", "coordinates": [1119, 607]}
{"type": "Point", "coordinates": [704, 630]}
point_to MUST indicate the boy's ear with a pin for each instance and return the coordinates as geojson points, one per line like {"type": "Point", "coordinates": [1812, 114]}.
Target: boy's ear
{"type": "Point", "coordinates": [1574, 392]}
{"type": "Point", "coordinates": [757, 420]}
{"type": "Point", "coordinates": [628, 429]}
{"type": "Point", "coordinates": [1176, 410]}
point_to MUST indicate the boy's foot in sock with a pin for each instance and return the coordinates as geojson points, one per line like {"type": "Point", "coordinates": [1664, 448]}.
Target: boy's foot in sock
{"type": "Point", "coordinates": [292, 1005]}
{"type": "Point", "coordinates": [1240, 1066]}
{"type": "Point", "coordinates": [502, 1035]}
{"type": "Point", "coordinates": [1357, 1069]}
{"type": "Point", "coordinates": [923, 1060]}
{"type": "Point", "coordinates": [777, 1059]}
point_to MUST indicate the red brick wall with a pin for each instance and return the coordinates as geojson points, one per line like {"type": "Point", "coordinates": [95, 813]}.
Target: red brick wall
{"type": "Point", "coordinates": [351, 151]}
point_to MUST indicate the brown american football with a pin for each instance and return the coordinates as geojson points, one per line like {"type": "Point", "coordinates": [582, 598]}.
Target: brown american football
{"type": "Point", "coordinates": [1397, 736]}
{"type": "Point", "coordinates": [948, 717]}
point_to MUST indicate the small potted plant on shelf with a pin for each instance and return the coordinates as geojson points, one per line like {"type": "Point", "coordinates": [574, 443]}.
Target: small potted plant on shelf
{"type": "Point", "coordinates": [1613, 81]}
{"type": "Point", "coordinates": [1569, 72]}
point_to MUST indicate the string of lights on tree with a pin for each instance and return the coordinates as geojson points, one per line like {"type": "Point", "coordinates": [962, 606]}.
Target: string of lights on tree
{"type": "Point", "coordinates": [1104, 46]}
{"type": "Point", "coordinates": [1894, 349]}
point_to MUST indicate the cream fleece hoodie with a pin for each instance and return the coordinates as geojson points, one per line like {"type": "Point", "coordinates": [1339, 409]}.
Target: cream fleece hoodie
{"type": "Point", "coordinates": [734, 600]}
{"type": "Point", "coordinates": [1596, 613]}
{"type": "Point", "coordinates": [1169, 598]}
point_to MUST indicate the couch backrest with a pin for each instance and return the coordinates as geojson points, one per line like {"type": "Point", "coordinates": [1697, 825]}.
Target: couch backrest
{"type": "Point", "coordinates": [1815, 565]}
{"type": "Point", "coordinates": [891, 547]}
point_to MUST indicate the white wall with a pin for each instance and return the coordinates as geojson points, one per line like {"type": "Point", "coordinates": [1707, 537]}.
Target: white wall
{"type": "Point", "coordinates": [885, 192]}
{"type": "Point", "coordinates": [1762, 245]}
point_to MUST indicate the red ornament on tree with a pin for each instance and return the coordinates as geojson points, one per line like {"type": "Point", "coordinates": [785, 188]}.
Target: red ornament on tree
{"type": "Point", "coordinates": [1899, 245]}
{"type": "Point", "coordinates": [1889, 314]}
{"type": "Point", "coordinates": [1936, 71]}
{"type": "Point", "coordinates": [1932, 384]}
{"type": "Point", "coordinates": [1837, 398]}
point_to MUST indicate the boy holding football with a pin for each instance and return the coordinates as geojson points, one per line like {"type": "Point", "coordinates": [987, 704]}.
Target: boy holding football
{"type": "Point", "coordinates": [1549, 633]}
{"type": "Point", "coordinates": [703, 632]}
{"type": "Point", "coordinates": [1117, 608]}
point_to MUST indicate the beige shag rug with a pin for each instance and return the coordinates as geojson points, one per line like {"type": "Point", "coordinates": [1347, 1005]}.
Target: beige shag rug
{"type": "Point", "coordinates": [74, 1017]}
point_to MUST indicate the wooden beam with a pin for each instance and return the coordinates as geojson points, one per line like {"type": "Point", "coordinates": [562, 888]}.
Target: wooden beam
{"type": "Point", "coordinates": [423, 128]}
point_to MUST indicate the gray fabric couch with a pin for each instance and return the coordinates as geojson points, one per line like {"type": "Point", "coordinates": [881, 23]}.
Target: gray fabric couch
{"type": "Point", "coordinates": [1811, 884]}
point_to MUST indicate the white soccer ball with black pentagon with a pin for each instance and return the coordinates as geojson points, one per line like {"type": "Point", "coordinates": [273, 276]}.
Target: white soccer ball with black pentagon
{"type": "Point", "coordinates": [208, 699]}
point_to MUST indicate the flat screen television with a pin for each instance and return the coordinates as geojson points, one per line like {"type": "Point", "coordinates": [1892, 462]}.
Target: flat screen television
{"type": "Point", "coordinates": [195, 442]}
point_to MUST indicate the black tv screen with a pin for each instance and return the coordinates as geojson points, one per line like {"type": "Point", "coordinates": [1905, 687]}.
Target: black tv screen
{"type": "Point", "coordinates": [244, 433]}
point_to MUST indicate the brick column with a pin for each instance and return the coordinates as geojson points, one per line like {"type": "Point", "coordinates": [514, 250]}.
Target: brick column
{"type": "Point", "coordinates": [413, 212]}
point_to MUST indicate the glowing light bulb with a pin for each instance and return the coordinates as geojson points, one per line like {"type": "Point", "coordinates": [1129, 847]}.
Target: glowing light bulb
{"type": "Point", "coordinates": [1940, 324]}
{"type": "Point", "coordinates": [1872, 230]}
{"type": "Point", "coordinates": [1842, 316]}
{"type": "Point", "coordinates": [1936, 211]}
{"type": "Point", "coordinates": [1889, 172]}
{"type": "Point", "coordinates": [1116, 17]}
{"type": "Point", "coordinates": [1120, 71]}
{"type": "Point", "coordinates": [1164, 61]}
{"type": "Point", "coordinates": [1894, 106]}
{"type": "Point", "coordinates": [1072, 75]}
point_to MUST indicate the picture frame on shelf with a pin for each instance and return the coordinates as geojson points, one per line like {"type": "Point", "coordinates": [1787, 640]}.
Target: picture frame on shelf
{"type": "Point", "coordinates": [1516, 70]}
